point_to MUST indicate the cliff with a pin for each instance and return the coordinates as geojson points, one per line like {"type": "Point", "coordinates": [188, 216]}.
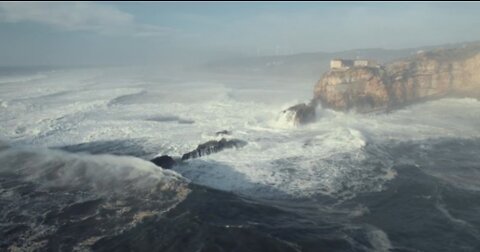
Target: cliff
{"type": "Point", "coordinates": [425, 76]}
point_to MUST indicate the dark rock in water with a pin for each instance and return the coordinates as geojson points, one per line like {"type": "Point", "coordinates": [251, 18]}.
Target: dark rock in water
{"type": "Point", "coordinates": [165, 161]}
{"type": "Point", "coordinates": [301, 113]}
{"type": "Point", "coordinates": [223, 132]}
{"type": "Point", "coordinates": [207, 148]}
{"type": "Point", "coordinates": [213, 147]}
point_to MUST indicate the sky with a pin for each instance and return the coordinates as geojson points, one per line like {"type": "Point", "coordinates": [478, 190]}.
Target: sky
{"type": "Point", "coordinates": [119, 33]}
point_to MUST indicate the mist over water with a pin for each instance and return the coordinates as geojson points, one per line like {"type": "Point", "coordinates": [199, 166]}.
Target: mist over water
{"type": "Point", "coordinates": [343, 182]}
{"type": "Point", "coordinates": [92, 93]}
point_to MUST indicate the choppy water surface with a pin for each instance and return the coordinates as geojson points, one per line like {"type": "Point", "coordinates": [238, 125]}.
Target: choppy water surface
{"type": "Point", "coordinates": [73, 174]}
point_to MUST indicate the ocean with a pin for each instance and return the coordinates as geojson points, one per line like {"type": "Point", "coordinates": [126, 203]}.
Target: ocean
{"type": "Point", "coordinates": [75, 174]}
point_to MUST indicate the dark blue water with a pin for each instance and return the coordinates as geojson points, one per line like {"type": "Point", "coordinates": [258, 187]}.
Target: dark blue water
{"type": "Point", "coordinates": [433, 204]}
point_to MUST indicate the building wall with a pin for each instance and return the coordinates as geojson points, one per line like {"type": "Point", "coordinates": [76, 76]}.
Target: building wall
{"type": "Point", "coordinates": [340, 64]}
{"type": "Point", "coordinates": [336, 64]}
{"type": "Point", "coordinates": [361, 63]}
{"type": "Point", "coordinates": [364, 63]}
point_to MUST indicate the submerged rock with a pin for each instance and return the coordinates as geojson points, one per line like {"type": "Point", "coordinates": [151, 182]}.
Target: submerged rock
{"type": "Point", "coordinates": [165, 161]}
{"type": "Point", "coordinates": [213, 146]}
{"type": "Point", "coordinates": [223, 132]}
{"type": "Point", "coordinates": [301, 113]}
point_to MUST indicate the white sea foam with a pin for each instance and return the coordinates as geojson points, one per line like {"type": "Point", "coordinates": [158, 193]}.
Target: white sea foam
{"type": "Point", "coordinates": [331, 156]}
{"type": "Point", "coordinates": [103, 174]}
{"type": "Point", "coordinates": [25, 78]}
{"type": "Point", "coordinates": [379, 240]}
{"type": "Point", "coordinates": [42, 186]}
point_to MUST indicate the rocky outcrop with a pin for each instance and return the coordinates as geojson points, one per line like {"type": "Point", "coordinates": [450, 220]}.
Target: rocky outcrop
{"type": "Point", "coordinates": [166, 162]}
{"type": "Point", "coordinates": [213, 146]}
{"type": "Point", "coordinates": [425, 76]}
{"type": "Point", "coordinates": [223, 132]}
{"type": "Point", "coordinates": [210, 147]}
{"type": "Point", "coordinates": [301, 113]}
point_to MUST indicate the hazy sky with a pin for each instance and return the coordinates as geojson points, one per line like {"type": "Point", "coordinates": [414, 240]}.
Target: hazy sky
{"type": "Point", "coordinates": [72, 33]}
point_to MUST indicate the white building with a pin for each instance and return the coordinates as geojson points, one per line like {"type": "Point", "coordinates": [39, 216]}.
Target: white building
{"type": "Point", "coordinates": [340, 64]}
{"type": "Point", "coordinates": [364, 63]}
{"type": "Point", "coordinates": [343, 64]}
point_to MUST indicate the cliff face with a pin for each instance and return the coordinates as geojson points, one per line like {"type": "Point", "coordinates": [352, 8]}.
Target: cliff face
{"type": "Point", "coordinates": [360, 88]}
{"type": "Point", "coordinates": [430, 75]}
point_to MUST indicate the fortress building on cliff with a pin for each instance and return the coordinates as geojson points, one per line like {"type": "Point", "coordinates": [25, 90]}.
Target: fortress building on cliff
{"type": "Point", "coordinates": [343, 64]}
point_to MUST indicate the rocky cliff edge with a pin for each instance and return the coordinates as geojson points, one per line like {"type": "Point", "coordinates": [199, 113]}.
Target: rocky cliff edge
{"type": "Point", "coordinates": [425, 76]}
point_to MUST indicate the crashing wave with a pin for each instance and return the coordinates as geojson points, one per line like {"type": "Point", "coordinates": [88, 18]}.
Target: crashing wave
{"type": "Point", "coordinates": [53, 198]}
{"type": "Point", "coordinates": [297, 115]}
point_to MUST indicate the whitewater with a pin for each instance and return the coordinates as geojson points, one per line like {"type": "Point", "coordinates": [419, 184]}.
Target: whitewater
{"type": "Point", "coordinates": [95, 129]}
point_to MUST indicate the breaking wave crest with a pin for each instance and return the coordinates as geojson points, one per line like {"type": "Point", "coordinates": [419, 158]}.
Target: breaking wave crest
{"type": "Point", "coordinates": [52, 197]}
